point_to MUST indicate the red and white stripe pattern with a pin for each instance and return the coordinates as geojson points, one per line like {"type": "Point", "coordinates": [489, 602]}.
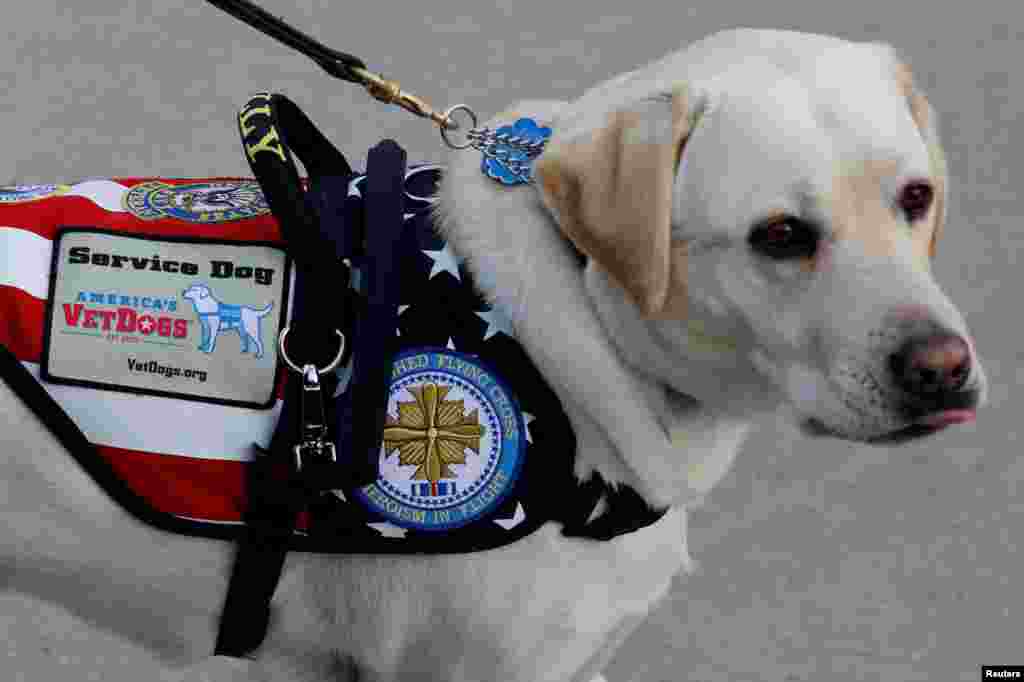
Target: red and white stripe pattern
{"type": "Point", "coordinates": [187, 458]}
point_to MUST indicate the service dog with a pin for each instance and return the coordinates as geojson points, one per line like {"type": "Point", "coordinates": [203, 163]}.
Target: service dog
{"type": "Point", "coordinates": [758, 212]}
{"type": "Point", "coordinates": [216, 317]}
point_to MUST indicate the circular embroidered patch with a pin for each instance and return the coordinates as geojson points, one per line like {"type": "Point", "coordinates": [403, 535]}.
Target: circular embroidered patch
{"type": "Point", "coordinates": [200, 202]}
{"type": "Point", "coordinates": [16, 194]}
{"type": "Point", "coordinates": [453, 444]}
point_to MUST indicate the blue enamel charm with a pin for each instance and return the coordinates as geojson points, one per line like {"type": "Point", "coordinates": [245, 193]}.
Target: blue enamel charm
{"type": "Point", "coordinates": [509, 156]}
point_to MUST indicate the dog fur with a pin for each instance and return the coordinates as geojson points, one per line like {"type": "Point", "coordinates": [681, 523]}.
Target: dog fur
{"type": "Point", "coordinates": [664, 350]}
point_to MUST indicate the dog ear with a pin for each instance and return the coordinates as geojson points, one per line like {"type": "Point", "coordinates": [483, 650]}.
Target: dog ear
{"type": "Point", "coordinates": [610, 190]}
{"type": "Point", "coordinates": [927, 123]}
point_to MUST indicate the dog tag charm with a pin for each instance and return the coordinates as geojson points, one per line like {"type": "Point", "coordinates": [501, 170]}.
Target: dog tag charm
{"type": "Point", "coordinates": [510, 151]}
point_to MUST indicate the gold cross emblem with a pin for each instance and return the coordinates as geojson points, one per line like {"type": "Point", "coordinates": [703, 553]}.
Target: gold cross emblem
{"type": "Point", "coordinates": [432, 433]}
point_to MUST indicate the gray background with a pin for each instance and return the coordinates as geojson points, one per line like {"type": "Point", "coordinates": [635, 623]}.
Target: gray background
{"type": "Point", "coordinates": [821, 561]}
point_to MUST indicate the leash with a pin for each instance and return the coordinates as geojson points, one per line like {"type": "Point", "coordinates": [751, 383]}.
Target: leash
{"type": "Point", "coordinates": [507, 153]}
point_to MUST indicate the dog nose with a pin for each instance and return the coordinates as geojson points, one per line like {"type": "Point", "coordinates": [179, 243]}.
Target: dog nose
{"type": "Point", "coordinates": [931, 367]}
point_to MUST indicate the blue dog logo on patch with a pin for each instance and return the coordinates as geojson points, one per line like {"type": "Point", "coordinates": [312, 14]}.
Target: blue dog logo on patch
{"type": "Point", "coordinates": [216, 317]}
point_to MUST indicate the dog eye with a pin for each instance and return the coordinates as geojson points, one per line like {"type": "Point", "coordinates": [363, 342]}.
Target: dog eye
{"type": "Point", "coordinates": [784, 238]}
{"type": "Point", "coordinates": [915, 200]}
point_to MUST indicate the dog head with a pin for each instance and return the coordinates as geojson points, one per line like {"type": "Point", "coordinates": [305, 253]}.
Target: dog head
{"type": "Point", "coordinates": [788, 212]}
{"type": "Point", "coordinates": [196, 292]}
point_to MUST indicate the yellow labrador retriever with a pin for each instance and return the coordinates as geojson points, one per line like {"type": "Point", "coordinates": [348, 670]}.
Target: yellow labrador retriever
{"type": "Point", "coordinates": [758, 212]}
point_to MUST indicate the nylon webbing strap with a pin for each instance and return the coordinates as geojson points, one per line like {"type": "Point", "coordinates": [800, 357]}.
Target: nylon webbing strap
{"type": "Point", "coordinates": [259, 559]}
{"type": "Point", "coordinates": [271, 125]}
{"type": "Point", "coordinates": [320, 232]}
{"type": "Point", "coordinates": [362, 409]}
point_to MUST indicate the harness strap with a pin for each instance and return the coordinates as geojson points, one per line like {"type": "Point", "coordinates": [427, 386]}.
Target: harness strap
{"type": "Point", "coordinates": [272, 126]}
{"type": "Point", "coordinates": [625, 510]}
{"type": "Point", "coordinates": [320, 238]}
{"type": "Point", "coordinates": [276, 491]}
{"type": "Point", "coordinates": [361, 411]}
{"type": "Point", "coordinates": [259, 558]}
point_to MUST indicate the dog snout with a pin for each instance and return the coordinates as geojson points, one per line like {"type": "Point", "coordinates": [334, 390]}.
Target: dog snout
{"type": "Point", "coordinates": [932, 372]}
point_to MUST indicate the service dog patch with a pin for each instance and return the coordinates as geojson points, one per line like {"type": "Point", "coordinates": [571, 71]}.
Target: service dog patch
{"type": "Point", "coordinates": [168, 316]}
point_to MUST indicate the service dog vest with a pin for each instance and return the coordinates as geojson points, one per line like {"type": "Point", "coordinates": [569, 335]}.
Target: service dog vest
{"type": "Point", "coordinates": [149, 309]}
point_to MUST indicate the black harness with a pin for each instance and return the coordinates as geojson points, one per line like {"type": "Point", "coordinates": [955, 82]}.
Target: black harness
{"type": "Point", "coordinates": [323, 444]}
{"type": "Point", "coordinates": [361, 247]}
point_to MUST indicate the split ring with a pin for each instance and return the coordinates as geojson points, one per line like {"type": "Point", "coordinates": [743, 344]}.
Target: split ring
{"type": "Point", "coordinates": [320, 370]}
{"type": "Point", "coordinates": [448, 119]}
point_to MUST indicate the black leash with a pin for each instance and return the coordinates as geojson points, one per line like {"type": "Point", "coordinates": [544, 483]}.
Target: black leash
{"type": "Point", "coordinates": [508, 152]}
{"type": "Point", "coordinates": [338, 64]}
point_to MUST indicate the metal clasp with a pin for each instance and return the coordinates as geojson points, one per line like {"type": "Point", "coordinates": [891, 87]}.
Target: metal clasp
{"type": "Point", "coordinates": [390, 92]}
{"type": "Point", "coordinates": [313, 425]}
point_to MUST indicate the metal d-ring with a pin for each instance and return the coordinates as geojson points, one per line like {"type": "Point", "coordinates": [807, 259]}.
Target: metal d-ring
{"type": "Point", "coordinates": [423, 169]}
{"type": "Point", "coordinates": [449, 121]}
{"type": "Point", "coordinates": [320, 370]}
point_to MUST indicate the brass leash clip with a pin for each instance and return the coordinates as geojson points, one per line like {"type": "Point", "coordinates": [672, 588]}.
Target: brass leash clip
{"type": "Point", "coordinates": [390, 92]}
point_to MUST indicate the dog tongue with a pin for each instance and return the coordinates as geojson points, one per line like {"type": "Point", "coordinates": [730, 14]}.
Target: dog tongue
{"type": "Point", "coordinates": [941, 420]}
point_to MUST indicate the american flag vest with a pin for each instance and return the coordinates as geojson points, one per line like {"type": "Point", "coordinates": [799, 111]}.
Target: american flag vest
{"type": "Point", "coordinates": [139, 319]}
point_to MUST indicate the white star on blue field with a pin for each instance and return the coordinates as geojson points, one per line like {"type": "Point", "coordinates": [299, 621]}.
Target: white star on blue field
{"type": "Point", "coordinates": [444, 261]}
{"type": "Point", "coordinates": [496, 322]}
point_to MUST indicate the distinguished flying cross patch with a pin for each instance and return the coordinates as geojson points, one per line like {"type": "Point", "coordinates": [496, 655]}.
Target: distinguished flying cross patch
{"type": "Point", "coordinates": [453, 442]}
